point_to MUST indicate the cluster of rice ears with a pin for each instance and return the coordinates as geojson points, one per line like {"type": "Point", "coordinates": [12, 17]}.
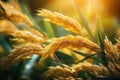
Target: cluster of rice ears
{"type": "Point", "coordinates": [90, 59]}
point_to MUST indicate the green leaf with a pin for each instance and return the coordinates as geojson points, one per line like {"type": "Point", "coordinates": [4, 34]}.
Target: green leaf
{"type": "Point", "coordinates": [86, 55]}
{"type": "Point", "coordinates": [64, 58]}
{"type": "Point", "coordinates": [101, 38]}
{"type": "Point", "coordinates": [49, 29]}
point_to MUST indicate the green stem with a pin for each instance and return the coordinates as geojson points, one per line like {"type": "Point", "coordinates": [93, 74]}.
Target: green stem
{"type": "Point", "coordinates": [49, 29]}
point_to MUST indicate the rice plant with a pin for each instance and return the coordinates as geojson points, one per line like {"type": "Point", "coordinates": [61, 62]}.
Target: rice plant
{"type": "Point", "coordinates": [59, 48]}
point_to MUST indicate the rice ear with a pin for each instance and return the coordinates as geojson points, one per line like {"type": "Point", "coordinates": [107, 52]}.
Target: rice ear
{"type": "Point", "coordinates": [74, 42]}
{"type": "Point", "coordinates": [22, 52]}
{"type": "Point", "coordinates": [110, 51]}
{"type": "Point", "coordinates": [14, 15]}
{"type": "Point", "coordinates": [117, 45]}
{"type": "Point", "coordinates": [67, 22]}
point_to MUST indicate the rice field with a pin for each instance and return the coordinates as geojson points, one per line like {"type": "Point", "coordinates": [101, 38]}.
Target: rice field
{"type": "Point", "coordinates": [57, 41]}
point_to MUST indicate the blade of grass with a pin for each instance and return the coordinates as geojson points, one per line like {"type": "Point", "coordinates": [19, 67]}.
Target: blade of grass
{"type": "Point", "coordinates": [58, 60]}
{"type": "Point", "coordinates": [85, 54]}
{"type": "Point", "coordinates": [87, 57]}
{"type": "Point", "coordinates": [83, 19]}
{"type": "Point", "coordinates": [102, 54]}
{"type": "Point", "coordinates": [101, 37]}
{"type": "Point", "coordinates": [49, 29]}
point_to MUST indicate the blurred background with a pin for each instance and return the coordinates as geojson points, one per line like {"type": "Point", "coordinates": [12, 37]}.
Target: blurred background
{"type": "Point", "coordinates": [66, 6]}
{"type": "Point", "coordinates": [87, 12]}
{"type": "Point", "coordinates": [107, 10]}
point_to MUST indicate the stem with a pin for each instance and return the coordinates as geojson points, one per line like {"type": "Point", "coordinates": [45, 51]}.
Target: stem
{"type": "Point", "coordinates": [58, 60]}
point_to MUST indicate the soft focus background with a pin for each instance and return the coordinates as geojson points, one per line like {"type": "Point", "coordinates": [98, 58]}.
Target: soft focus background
{"type": "Point", "coordinates": [87, 12]}
{"type": "Point", "coordinates": [66, 6]}
{"type": "Point", "coordinates": [108, 12]}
